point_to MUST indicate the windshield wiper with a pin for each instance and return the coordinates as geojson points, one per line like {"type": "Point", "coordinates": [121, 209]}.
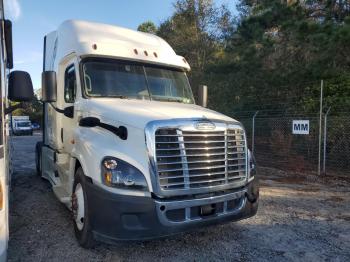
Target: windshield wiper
{"type": "Point", "coordinates": [119, 96]}
{"type": "Point", "coordinates": [172, 100]}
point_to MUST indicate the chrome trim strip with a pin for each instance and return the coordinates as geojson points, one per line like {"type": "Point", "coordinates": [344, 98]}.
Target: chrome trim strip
{"type": "Point", "coordinates": [214, 154]}
{"type": "Point", "coordinates": [192, 162]}
{"type": "Point", "coordinates": [203, 182]}
{"type": "Point", "coordinates": [197, 142]}
{"type": "Point", "coordinates": [184, 160]}
{"type": "Point", "coordinates": [202, 161]}
{"type": "Point", "coordinates": [206, 174]}
{"type": "Point", "coordinates": [201, 148]}
{"type": "Point", "coordinates": [209, 134]}
{"type": "Point", "coordinates": [199, 168]}
{"type": "Point", "coordinates": [226, 160]}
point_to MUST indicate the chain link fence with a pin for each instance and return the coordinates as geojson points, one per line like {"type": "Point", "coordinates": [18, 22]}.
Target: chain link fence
{"type": "Point", "coordinates": [337, 149]}
{"type": "Point", "coordinates": [276, 146]}
{"type": "Point", "coordinates": [324, 149]}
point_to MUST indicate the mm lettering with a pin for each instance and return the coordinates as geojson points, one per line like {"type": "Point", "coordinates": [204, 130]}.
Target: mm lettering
{"type": "Point", "coordinates": [301, 127]}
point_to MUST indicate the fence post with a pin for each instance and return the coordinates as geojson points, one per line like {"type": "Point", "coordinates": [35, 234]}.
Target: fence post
{"type": "Point", "coordinates": [320, 131]}
{"type": "Point", "coordinates": [253, 131]}
{"type": "Point", "coordinates": [325, 141]}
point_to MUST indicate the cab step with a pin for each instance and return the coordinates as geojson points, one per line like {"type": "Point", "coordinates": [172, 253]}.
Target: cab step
{"type": "Point", "coordinates": [62, 195]}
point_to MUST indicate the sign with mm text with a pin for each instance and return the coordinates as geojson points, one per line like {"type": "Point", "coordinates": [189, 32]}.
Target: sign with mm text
{"type": "Point", "coordinates": [301, 127]}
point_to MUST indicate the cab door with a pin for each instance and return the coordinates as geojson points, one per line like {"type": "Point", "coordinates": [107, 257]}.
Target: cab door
{"type": "Point", "coordinates": [70, 91]}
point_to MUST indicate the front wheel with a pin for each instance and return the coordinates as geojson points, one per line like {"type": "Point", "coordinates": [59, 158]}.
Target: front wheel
{"type": "Point", "coordinates": [80, 207]}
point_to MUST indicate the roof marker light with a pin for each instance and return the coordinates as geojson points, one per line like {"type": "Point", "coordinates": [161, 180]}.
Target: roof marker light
{"type": "Point", "coordinates": [146, 53]}
{"type": "Point", "coordinates": [94, 46]}
{"type": "Point", "coordinates": [136, 52]}
{"type": "Point", "coordinates": [155, 54]}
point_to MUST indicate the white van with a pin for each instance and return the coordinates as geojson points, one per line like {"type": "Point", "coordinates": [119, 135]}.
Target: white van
{"type": "Point", "coordinates": [21, 125]}
{"type": "Point", "coordinates": [126, 148]}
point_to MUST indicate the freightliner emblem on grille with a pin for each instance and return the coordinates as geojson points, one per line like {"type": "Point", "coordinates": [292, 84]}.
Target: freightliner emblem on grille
{"type": "Point", "coordinates": [204, 125]}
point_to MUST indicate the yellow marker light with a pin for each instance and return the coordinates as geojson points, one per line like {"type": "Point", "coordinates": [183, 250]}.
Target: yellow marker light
{"type": "Point", "coordinates": [108, 178]}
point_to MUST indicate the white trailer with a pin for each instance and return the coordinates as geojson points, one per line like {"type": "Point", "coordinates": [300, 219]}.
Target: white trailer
{"type": "Point", "coordinates": [126, 148]}
{"type": "Point", "coordinates": [17, 87]}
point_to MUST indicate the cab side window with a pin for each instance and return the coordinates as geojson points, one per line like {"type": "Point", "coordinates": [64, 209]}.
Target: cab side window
{"type": "Point", "coordinates": [70, 84]}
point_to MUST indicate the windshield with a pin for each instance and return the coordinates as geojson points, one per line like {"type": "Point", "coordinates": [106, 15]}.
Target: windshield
{"type": "Point", "coordinates": [24, 124]}
{"type": "Point", "coordinates": [137, 81]}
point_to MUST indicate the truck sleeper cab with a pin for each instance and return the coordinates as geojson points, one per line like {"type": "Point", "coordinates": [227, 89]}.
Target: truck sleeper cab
{"type": "Point", "coordinates": [125, 147]}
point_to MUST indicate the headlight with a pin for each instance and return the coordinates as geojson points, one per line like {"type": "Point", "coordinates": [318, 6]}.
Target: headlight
{"type": "Point", "coordinates": [120, 174]}
{"type": "Point", "coordinates": [251, 165]}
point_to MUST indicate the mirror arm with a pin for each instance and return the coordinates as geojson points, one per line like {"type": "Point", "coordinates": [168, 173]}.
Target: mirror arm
{"type": "Point", "coordinates": [57, 109]}
{"type": "Point", "coordinates": [68, 111]}
{"type": "Point", "coordinates": [121, 131]}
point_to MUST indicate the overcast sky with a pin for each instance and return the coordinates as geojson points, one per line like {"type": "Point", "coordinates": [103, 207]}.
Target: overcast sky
{"type": "Point", "coordinates": [32, 19]}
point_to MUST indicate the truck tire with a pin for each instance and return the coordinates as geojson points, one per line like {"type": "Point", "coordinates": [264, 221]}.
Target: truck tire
{"type": "Point", "coordinates": [80, 210]}
{"type": "Point", "coordinates": [38, 159]}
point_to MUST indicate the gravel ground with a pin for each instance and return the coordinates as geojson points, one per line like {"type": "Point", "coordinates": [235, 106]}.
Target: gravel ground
{"type": "Point", "coordinates": [300, 218]}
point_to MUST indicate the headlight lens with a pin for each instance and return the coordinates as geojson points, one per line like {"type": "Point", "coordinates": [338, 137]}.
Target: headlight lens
{"type": "Point", "coordinates": [251, 164]}
{"type": "Point", "coordinates": [120, 174]}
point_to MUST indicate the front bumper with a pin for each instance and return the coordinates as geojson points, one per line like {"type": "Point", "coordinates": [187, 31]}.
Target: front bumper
{"type": "Point", "coordinates": [23, 132]}
{"type": "Point", "coordinates": [118, 217]}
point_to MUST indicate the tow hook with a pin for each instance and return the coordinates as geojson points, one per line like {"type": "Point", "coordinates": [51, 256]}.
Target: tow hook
{"type": "Point", "coordinates": [252, 193]}
{"type": "Point", "coordinates": [252, 198]}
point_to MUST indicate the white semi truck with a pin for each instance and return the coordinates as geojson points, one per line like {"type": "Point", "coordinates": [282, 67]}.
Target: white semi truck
{"type": "Point", "coordinates": [126, 148]}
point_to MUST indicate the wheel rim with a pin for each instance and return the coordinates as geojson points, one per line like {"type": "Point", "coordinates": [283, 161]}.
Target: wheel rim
{"type": "Point", "coordinates": [78, 206]}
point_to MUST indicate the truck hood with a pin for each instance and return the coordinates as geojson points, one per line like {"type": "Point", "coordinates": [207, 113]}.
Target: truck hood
{"type": "Point", "coordinates": [138, 113]}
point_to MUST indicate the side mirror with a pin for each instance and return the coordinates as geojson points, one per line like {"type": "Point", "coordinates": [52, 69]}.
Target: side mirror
{"type": "Point", "coordinates": [49, 86]}
{"type": "Point", "coordinates": [203, 96]}
{"type": "Point", "coordinates": [69, 111]}
{"type": "Point", "coordinates": [20, 87]}
{"type": "Point", "coordinates": [8, 43]}
{"type": "Point", "coordinates": [89, 122]}
{"type": "Point", "coordinates": [121, 131]}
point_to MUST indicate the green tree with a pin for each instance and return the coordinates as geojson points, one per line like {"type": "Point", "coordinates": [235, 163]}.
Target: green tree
{"type": "Point", "coordinates": [279, 53]}
{"type": "Point", "coordinates": [32, 109]}
{"type": "Point", "coordinates": [195, 31]}
{"type": "Point", "coordinates": [270, 56]}
{"type": "Point", "coordinates": [147, 27]}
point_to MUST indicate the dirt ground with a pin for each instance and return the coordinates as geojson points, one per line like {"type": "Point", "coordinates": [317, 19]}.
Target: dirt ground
{"type": "Point", "coordinates": [300, 218]}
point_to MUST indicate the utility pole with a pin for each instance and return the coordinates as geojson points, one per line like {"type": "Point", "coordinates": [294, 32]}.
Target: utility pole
{"type": "Point", "coordinates": [253, 132]}
{"type": "Point", "coordinates": [325, 141]}
{"type": "Point", "coordinates": [320, 131]}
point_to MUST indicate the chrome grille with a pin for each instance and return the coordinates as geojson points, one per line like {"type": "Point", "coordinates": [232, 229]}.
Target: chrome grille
{"type": "Point", "coordinates": [188, 159]}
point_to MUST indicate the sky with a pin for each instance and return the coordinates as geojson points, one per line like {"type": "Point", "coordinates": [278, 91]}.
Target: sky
{"type": "Point", "coordinates": [33, 19]}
